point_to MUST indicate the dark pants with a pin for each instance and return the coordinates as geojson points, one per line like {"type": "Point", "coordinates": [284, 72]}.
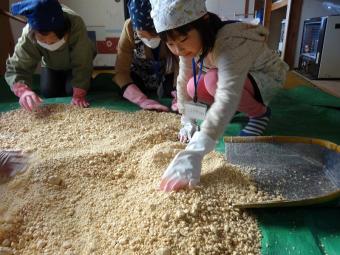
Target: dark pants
{"type": "Point", "coordinates": [257, 91]}
{"type": "Point", "coordinates": [55, 83]}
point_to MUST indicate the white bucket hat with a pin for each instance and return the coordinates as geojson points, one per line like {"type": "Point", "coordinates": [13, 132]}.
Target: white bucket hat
{"type": "Point", "coordinates": [169, 14]}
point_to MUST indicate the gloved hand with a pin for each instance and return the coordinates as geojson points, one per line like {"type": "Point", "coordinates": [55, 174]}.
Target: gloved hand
{"type": "Point", "coordinates": [189, 127]}
{"type": "Point", "coordinates": [185, 168]}
{"type": "Point", "coordinates": [27, 98]}
{"type": "Point", "coordinates": [174, 105]}
{"type": "Point", "coordinates": [12, 162]}
{"type": "Point", "coordinates": [135, 95]}
{"type": "Point", "coordinates": [79, 98]}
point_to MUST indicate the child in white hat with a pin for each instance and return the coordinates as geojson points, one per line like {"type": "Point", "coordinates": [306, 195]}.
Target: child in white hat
{"type": "Point", "coordinates": [240, 73]}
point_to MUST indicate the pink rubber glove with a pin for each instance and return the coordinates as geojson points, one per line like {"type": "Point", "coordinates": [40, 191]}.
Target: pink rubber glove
{"type": "Point", "coordinates": [135, 95]}
{"type": "Point", "coordinates": [174, 105]}
{"type": "Point", "coordinates": [12, 162]}
{"type": "Point", "coordinates": [27, 98]}
{"type": "Point", "coordinates": [79, 98]}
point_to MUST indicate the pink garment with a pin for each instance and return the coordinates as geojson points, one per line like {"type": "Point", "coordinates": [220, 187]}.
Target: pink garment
{"type": "Point", "coordinates": [207, 89]}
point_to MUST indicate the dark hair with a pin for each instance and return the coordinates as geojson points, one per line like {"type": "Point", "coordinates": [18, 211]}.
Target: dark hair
{"type": "Point", "coordinates": [60, 33]}
{"type": "Point", "coordinates": [151, 30]}
{"type": "Point", "coordinates": [207, 27]}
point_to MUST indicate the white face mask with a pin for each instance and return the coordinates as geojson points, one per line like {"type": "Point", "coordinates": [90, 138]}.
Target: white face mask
{"type": "Point", "coordinates": [152, 43]}
{"type": "Point", "coordinates": [54, 46]}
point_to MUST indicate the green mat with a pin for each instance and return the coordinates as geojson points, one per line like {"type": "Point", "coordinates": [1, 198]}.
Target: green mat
{"type": "Point", "coordinates": [308, 112]}
{"type": "Point", "coordinates": [302, 111]}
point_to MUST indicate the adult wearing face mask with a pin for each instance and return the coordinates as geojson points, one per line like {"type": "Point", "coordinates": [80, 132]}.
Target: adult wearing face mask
{"type": "Point", "coordinates": [144, 63]}
{"type": "Point", "coordinates": [56, 37]}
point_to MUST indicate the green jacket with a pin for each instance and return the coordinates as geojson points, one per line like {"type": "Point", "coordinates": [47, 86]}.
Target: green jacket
{"type": "Point", "coordinates": [76, 54]}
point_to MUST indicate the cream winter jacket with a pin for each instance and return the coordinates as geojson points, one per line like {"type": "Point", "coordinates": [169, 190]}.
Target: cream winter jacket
{"type": "Point", "coordinates": [239, 49]}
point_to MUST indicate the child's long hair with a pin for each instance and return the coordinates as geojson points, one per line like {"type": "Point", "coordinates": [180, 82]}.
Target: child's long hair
{"type": "Point", "coordinates": [207, 27]}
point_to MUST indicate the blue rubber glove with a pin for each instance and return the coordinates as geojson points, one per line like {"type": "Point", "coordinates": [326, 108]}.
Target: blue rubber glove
{"type": "Point", "coordinates": [185, 168]}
